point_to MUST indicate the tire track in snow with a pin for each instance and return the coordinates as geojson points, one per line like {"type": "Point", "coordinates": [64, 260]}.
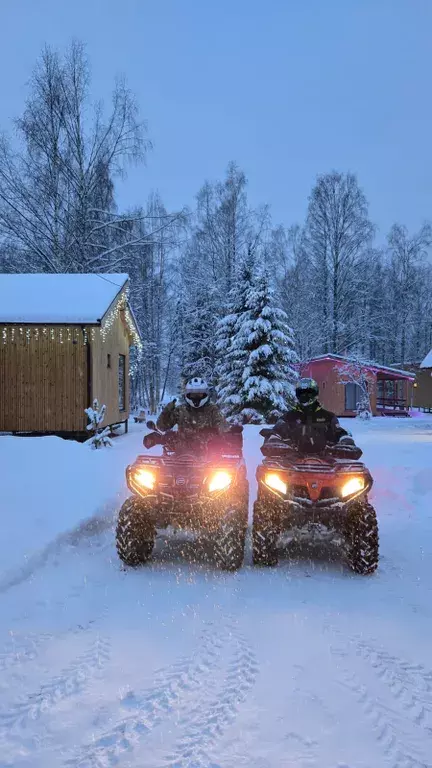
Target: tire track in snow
{"type": "Point", "coordinates": [70, 682]}
{"type": "Point", "coordinates": [387, 726]}
{"type": "Point", "coordinates": [26, 648]}
{"type": "Point", "coordinates": [152, 706]}
{"type": "Point", "coordinates": [18, 652]}
{"type": "Point", "coordinates": [203, 726]}
{"type": "Point", "coordinates": [399, 748]}
{"type": "Point", "coordinates": [410, 684]}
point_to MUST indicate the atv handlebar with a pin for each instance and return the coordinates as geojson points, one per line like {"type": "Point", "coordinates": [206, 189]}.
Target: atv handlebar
{"type": "Point", "coordinates": [156, 437]}
{"type": "Point", "coordinates": [279, 447]}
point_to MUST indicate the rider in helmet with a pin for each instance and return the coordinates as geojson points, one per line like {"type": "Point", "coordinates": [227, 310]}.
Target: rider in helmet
{"type": "Point", "coordinates": [309, 426]}
{"type": "Point", "coordinates": [196, 414]}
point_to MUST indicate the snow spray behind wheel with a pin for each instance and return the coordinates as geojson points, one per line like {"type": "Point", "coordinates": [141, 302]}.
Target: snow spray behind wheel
{"type": "Point", "coordinates": [297, 491]}
{"type": "Point", "coordinates": [199, 486]}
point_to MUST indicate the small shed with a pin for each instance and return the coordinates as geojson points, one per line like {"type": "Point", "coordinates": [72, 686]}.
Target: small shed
{"type": "Point", "coordinates": [390, 389]}
{"type": "Point", "coordinates": [64, 341]}
{"type": "Point", "coordinates": [423, 384]}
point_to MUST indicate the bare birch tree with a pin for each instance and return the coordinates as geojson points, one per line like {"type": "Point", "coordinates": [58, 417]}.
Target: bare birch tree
{"type": "Point", "coordinates": [338, 231]}
{"type": "Point", "coordinates": [407, 255]}
{"type": "Point", "coordinates": [56, 190]}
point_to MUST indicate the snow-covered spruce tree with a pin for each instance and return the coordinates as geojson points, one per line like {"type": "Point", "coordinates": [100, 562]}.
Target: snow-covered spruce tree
{"type": "Point", "coordinates": [100, 437]}
{"type": "Point", "coordinates": [231, 359]}
{"type": "Point", "coordinates": [200, 321]}
{"type": "Point", "coordinates": [264, 336]}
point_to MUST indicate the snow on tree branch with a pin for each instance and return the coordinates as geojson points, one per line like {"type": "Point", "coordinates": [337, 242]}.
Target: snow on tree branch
{"type": "Point", "coordinates": [100, 437]}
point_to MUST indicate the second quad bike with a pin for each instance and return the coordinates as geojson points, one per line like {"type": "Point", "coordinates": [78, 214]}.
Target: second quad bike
{"type": "Point", "coordinates": [298, 492]}
{"type": "Point", "coordinates": [199, 486]}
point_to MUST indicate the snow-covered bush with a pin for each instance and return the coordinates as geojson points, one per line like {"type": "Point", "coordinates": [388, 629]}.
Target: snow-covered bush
{"type": "Point", "coordinates": [363, 409]}
{"type": "Point", "coordinates": [100, 437]}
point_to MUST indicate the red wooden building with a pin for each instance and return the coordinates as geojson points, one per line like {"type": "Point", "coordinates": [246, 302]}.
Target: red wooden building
{"type": "Point", "coordinates": [390, 389]}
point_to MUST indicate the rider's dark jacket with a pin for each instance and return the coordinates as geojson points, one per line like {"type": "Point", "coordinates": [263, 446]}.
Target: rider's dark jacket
{"type": "Point", "coordinates": [310, 428]}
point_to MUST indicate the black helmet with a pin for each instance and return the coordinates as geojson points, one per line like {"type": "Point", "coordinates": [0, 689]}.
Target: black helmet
{"type": "Point", "coordinates": [307, 391]}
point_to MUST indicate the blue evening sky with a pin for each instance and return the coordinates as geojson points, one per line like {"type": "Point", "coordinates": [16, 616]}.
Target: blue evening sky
{"type": "Point", "coordinates": [287, 88]}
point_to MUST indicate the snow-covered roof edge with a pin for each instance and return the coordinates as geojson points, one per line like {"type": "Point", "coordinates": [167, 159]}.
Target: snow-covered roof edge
{"type": "Point", "coordinates": [58, 298]}
{"type": "Point", "coordinates": [368, 364]}
{"type": "Point", "coordinates": [121, 287]}
{"type": "Point", "coordinates": [427, 362]}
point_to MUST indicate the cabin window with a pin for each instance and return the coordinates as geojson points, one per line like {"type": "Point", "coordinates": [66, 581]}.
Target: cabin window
{"type": "Point", "coordinates": [122, 382]}
{"type": "Point", "coordinates": [352, 396]}
{"type": "Point", "coordinates": [108, 361]}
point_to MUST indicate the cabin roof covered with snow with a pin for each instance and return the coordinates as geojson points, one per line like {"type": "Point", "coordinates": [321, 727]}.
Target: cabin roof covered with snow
{"type": "Point", "coordinates": [76, 299]}
{"type": "Point", "coordinates": [427, 362]}
{"type": "Point", "coordinates": [371, 365]}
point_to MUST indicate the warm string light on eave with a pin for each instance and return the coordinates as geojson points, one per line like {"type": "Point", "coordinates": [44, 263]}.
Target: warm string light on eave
{"type": "Point", "coordinates": [74, 334]}
{"type": "Point", "coordinates": [62, 334]}
{"type": "Point", "coordinates": [113, 315]}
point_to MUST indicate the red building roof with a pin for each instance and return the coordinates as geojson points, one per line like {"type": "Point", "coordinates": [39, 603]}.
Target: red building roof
{"type": "Point", "coordinates": [395, 373]}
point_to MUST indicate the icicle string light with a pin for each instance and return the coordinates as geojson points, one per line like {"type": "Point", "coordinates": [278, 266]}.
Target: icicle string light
{"type": "Point", "coordinates": [121, 306]}
{"type": "Point", "coordinates": [77, 334]}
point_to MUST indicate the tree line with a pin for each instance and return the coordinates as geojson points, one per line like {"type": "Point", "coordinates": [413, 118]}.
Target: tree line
{"type": "Point", "coordinates": [218, 289]}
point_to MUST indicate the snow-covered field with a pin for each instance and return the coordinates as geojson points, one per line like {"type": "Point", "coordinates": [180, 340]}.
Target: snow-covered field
{"type": "Point", "coordinates": [178, 664]}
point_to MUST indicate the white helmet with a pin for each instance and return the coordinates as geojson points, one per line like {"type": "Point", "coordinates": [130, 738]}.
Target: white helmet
{"type": "Point", "coordinates": [197, 392]}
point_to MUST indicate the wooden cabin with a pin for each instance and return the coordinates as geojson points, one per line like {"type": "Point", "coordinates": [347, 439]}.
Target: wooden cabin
{"type": "Point", "coordinates": [390, 389]}
{"type": "Point", "coordinates": [423, 384]}
{"type": "Point", "coordinates": [64, 341]}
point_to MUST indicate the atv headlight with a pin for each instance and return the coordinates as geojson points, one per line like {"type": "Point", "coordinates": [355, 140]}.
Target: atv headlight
{"type": "Point", "coordinates": [354, 485]}
{"type": "Point", "coordinates": [275, 482]}
{"type": "Point", "coordinates": [219, 481]}
{"type": "Point", "coordinates": [145, 478]}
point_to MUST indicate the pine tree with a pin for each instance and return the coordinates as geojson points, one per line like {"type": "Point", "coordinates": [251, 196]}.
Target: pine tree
{"type": "Point", "coordinates": [268, 379]}
{"type": "Point", "coordinates": [100, 436]}
{"type": "Point", "coordinates": [200, 352]}
{"type": "Point", "coordinates": [231, 358]}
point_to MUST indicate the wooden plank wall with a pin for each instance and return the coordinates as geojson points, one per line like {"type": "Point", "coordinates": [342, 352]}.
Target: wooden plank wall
{"type": "Point", "coordinates": [43, 379]}
{"type": "Point", "coordinates": [332, 390]}
{"type": "Point", "coordinates": [423, 390]}
{"type": "Point", "coordinates": [104, 379]}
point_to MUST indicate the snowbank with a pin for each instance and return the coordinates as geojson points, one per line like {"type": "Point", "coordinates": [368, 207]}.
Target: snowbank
{"type": "Point", "coordinates": [51, 486]}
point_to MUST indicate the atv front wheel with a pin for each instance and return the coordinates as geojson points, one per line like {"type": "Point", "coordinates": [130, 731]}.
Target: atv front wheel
{"type": "Point", "coordinates": [229, 541]}
{"type": "Point", "coordinates": [264, 537]}
{"type": "Point", "coordinates": [135, 535]}
{"type": "Point", "coordinates": [362, 538]}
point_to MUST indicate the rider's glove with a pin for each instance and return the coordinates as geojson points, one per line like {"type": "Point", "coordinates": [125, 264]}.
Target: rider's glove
{"type": "Point", "coordinates": [347, 441]}
{"type": "Point", "coordinates": [150, 440]}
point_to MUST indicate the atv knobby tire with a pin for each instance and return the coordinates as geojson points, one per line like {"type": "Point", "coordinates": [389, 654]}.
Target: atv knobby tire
{"type": "Point", "coordinates": [264, 537]}
{"type": "Point", "coordinates": [135, 534]}
{"type": "Point", "coordinates": [229, 540]}
{"type": "Point", "coordinates": [362, 538]}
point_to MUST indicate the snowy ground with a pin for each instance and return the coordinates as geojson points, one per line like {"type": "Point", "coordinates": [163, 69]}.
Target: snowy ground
{"type": "Point", "coordinates": [180, 665]}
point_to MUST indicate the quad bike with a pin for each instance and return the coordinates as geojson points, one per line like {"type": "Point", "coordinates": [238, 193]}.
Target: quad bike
{"type": "Point", "coordinates": [314, 492]}
{"type": "Point", "coordinates": [199, 486]}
